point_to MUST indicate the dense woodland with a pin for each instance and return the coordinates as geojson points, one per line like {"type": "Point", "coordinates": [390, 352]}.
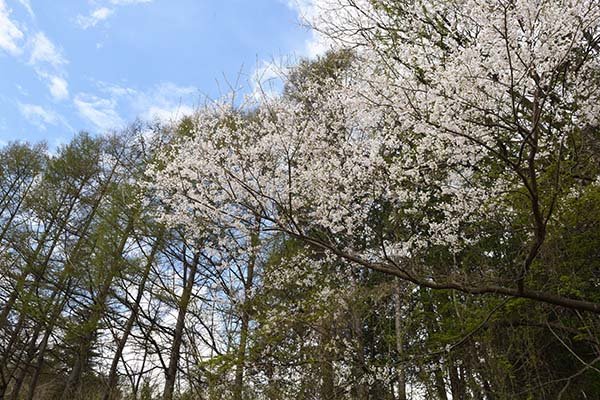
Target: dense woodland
{"type": "Point", "coordinates": [415, 216]}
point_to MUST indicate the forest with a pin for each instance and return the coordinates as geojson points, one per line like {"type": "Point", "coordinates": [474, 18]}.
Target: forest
{"type": "Point", "coordinates": [415, 216]}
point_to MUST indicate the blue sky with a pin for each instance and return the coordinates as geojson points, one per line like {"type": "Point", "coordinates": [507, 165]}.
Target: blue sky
{"type": "Point", "coordinates": [96, 65]}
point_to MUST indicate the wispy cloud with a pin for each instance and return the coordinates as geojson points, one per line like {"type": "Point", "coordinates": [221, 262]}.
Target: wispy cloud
{"type": "Point", "coordinates": [94, 18]}
{"type": "Point", "coordinates": [101, 113]}
{"type": "Point", "coordinates": [44, 56]}
{"type": "Point", "coordinates": [10, 34]}
{"type": "Point", "coordinates": [59, 88]}
{"type": "Point", "coordinates": [27, 5]}
{"type": "Point", "coordinates": [43, 51]}
{"type": "Point", "coordinates": [115, 90]}
{"type": "Point", "coordinates": [171, 113]}
{"type": "Point", "coordinates": [165, 102]}
{"type": "Point", "coordinates": [48, 61]}
{"type": "Point", "coordinates": [103, 13]}
{"type": "Point", "coordinates": [40, 116]}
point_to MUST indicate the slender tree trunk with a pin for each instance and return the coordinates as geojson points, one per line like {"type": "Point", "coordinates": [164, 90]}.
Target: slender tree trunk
{"type": "Point", "coordinates": [64, 284]}
{"type": "Point", "coordinates": [171, 373]}
{"type": "Point", "coordinates": [31, 262]}
{"type": "Point", "coordinates": [5, 373]}
{"type": "Point", "coordinates": [432, 326]}
{"type": "Point", "coordinates": [39, 365]}
{"type": "Point", "coordinates": [95, 314]}
{"type": "Point", "coordinates": [326, 364]}
{"type": "Point", "coordinates": [361, 391]}
{"type": "Point", "coordinates": [440, 385]}
{"type": "Point", "coordinates": [399, 339]}
{"type": "Point", "coordinates": [241, 358]}
{"type": "Point", "coordinates": [20, 291]}
{"type": "Point", "coordinates": [112, 375]}
{"type": "Point", "coordinates": [457, 384]}
{"type": "Point", "coordinates": [25, 364]}
{"type": "Point", "coordinates": [14, 212]}
{"type": "Point", "coordinates": [60, 304]}
{"type": "Point", "coordinates": [248, 284]}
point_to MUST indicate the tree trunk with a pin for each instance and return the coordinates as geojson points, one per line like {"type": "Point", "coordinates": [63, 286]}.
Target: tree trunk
{"type": "Point", "coordinates": [95, 314]}
{"type": "Point", "coordinates": [112, 375]}
{"type": "Point", "coordinates": [457, 384]}
{"type": "Point", "coordinates": [360, 389]}
{"type": "Point", "coordinates": [433, 327]}
{"type": "Point", "coordinates": [326, 367]}
{"type": "Point", "coordinates": [60, 304]}
{"type": "Point", "coordinates": [25, 364]}
{"type": "Point", "coordinates": [399, 339]}
{"type": "Point", "coordinates": [248, 284]}
{"type": "Point", "coordinates": [171, 373]}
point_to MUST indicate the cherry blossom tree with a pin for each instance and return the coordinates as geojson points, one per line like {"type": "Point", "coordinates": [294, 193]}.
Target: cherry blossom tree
{"type": "Point", "coordinates": [440, 153]}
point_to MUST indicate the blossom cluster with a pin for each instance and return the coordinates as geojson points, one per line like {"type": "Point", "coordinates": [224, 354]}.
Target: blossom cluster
{"type": "Point", "coordinates": [417, 140]}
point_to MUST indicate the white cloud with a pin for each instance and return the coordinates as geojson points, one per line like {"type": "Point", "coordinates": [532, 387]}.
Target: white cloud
{"type": "Point", "coordinates": [94, 18]}
{"type": "Point", "coordinates": [316, 45]}
{"type": "Point", "coordinates": [169, 90]}
{"type": "Point", "coordinates": [308, 11]}
{"type": "Point", "coordinates": [39, 115]}
{"type": "Point", "coordinates": [57, 85]}
{"type": "Point", "coordinates": [27, 5]}
{"type": "Point", "coordinates": [10, 34]}
{"type": "Point", "coordinates": [166, 102]}
{"type": "Point", "coordinates": [48, 61]}
{"type": "Point", "coordinates": [103, 13]}
{"type": "Point", "coordinates": [115, 90]}
{"type": "Point", "coordinates": [59, 88]}
{"type": "Point", "coordinates": [167, 114]}
{"type": "Point", "coordinates": [44, 51]}
{"type": "Point", "coordinates": [100, 112]}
